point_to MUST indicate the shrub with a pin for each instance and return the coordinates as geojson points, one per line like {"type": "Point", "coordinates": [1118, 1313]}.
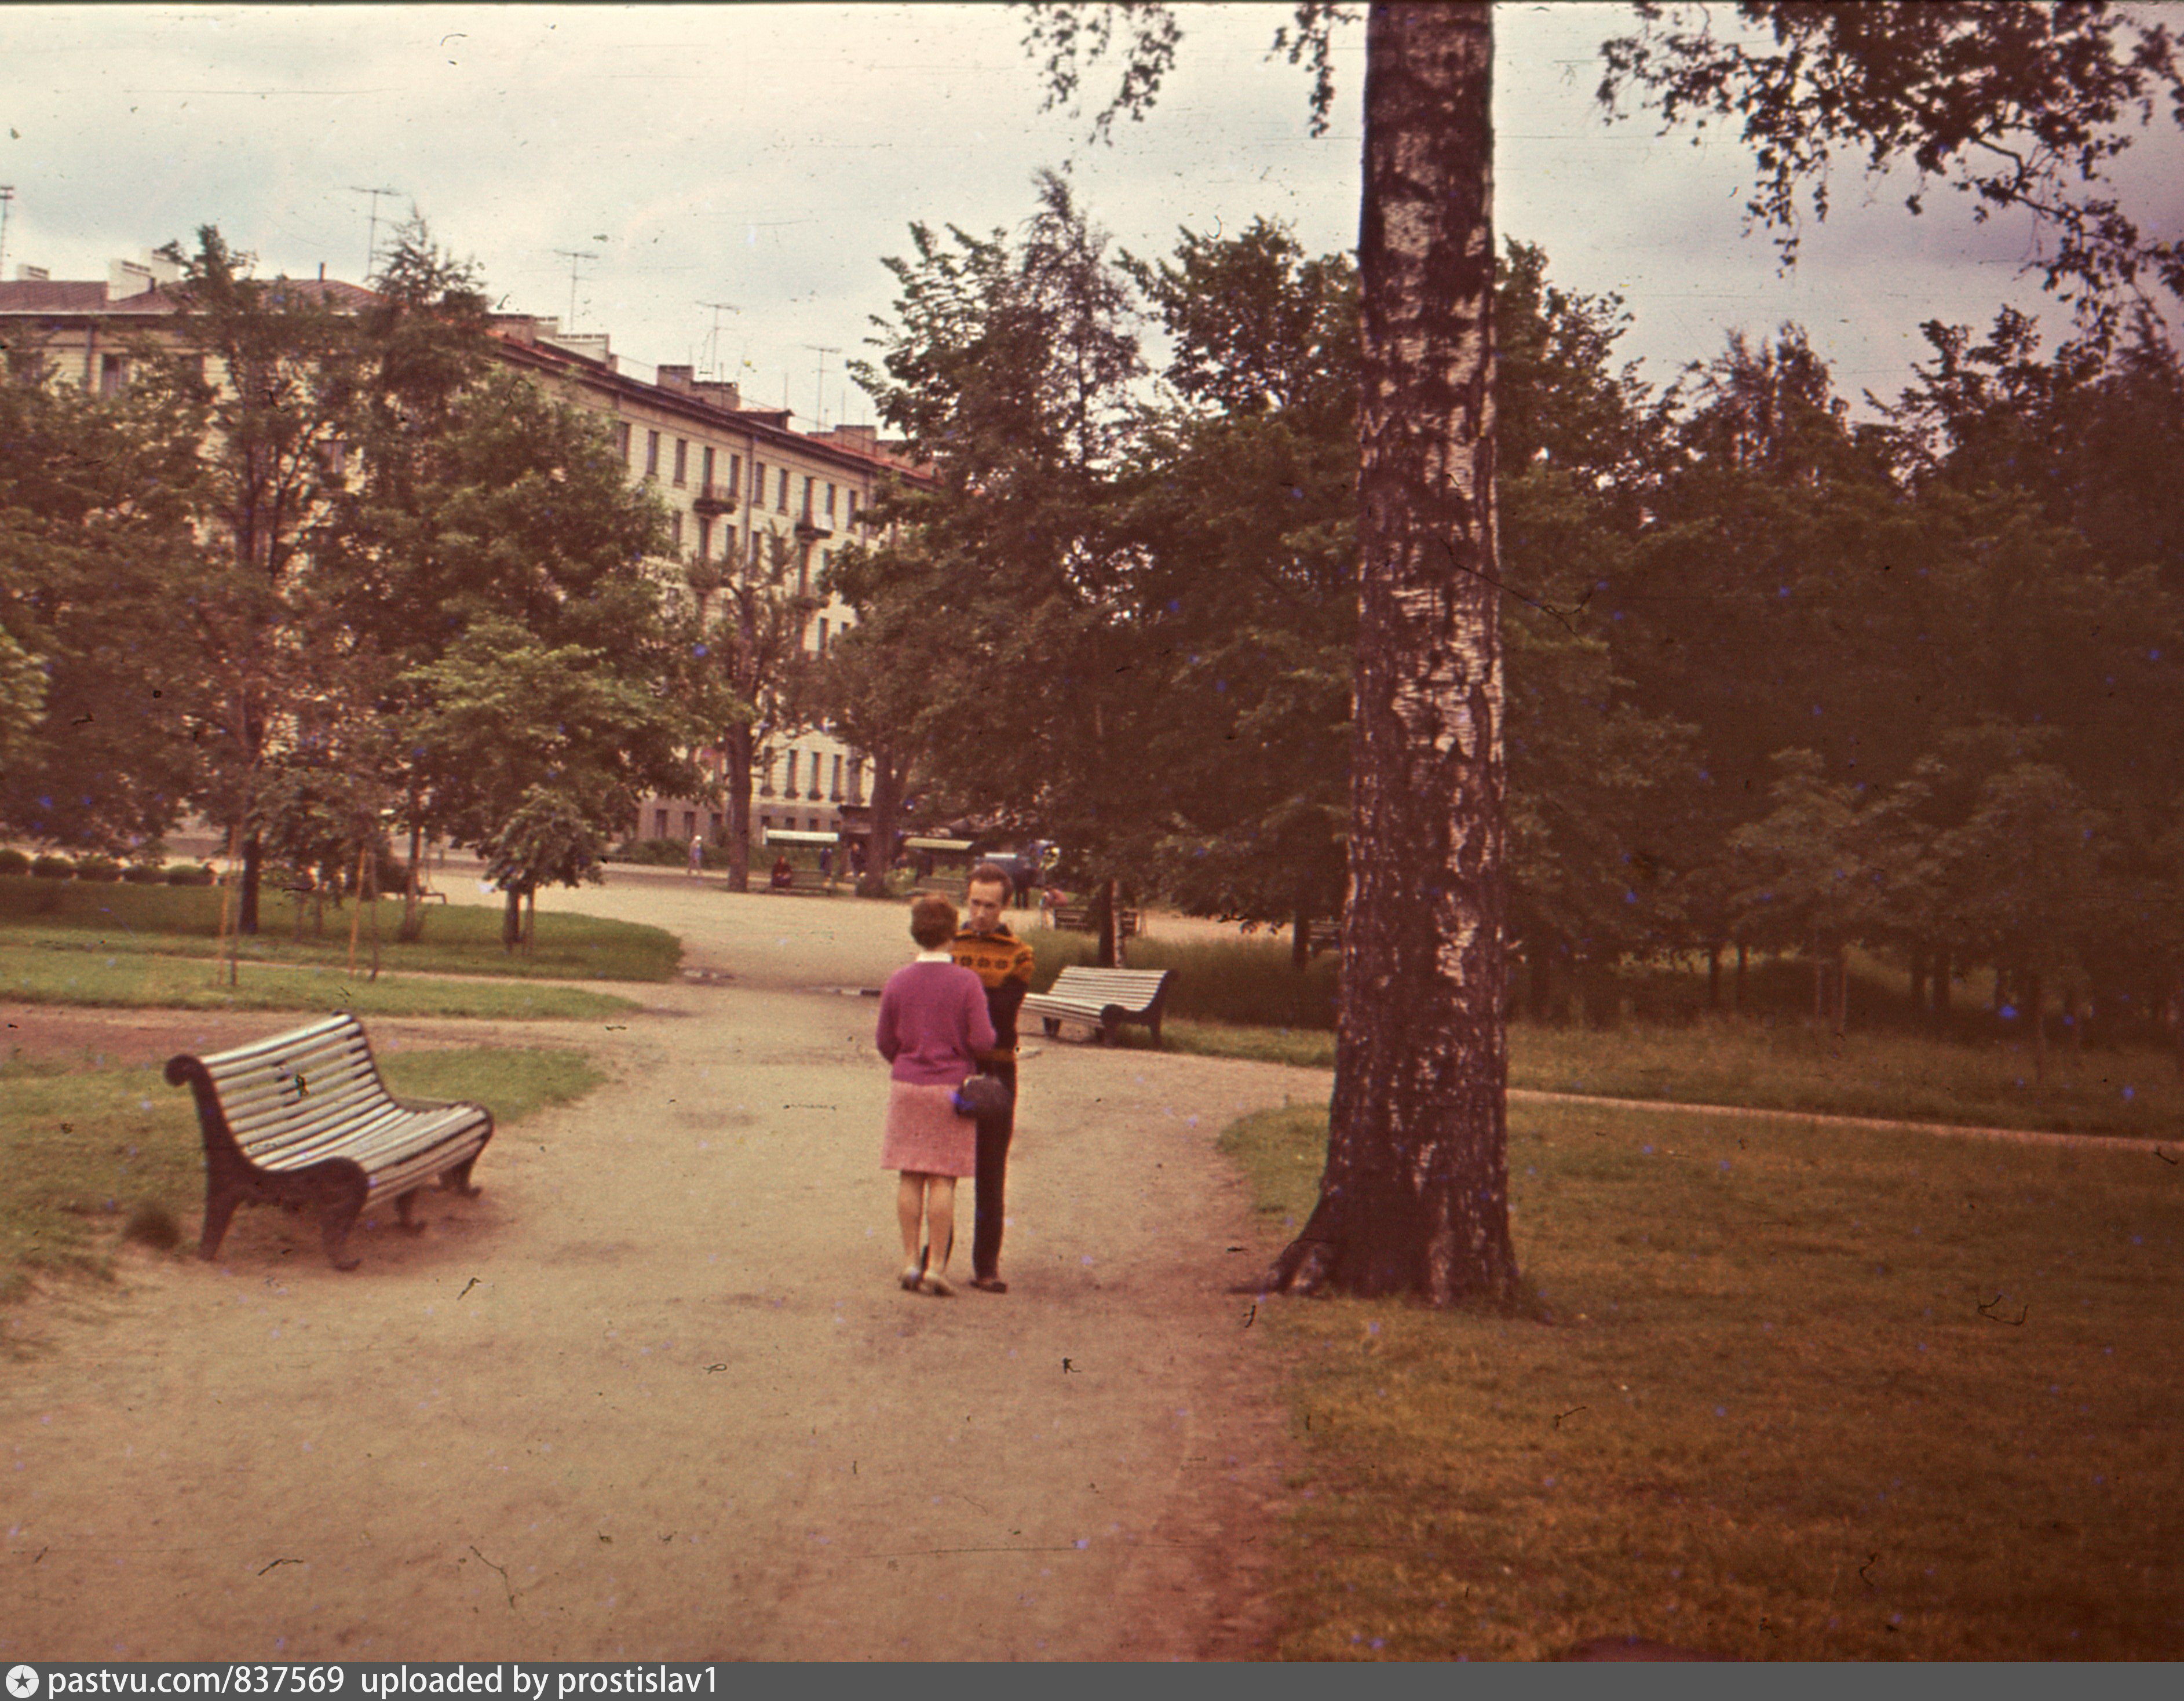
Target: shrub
{"type": "Point", "coordinates": [145, 874]}
{"type": "Point", "coordinates": [14, 862]}
{"type": "Point", "coordinates": [102, 868]}
{"type": "Point", "coordinates": [51, 868]}
{"type": "Point", "coordinates": [656, 853]}
{"type": "Point", "coordinates": [182, 874]}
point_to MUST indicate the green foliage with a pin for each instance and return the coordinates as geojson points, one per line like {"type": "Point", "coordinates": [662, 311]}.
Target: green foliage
{"type": "Point", "coordinates": [464, 938]}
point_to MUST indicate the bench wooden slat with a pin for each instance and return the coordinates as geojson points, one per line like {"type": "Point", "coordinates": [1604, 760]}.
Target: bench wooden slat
{"type": "Point", "coordinates": [304, 1117]}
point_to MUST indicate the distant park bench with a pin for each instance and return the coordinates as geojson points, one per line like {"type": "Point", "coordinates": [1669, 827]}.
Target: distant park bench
{"type": "Point", "coordinates": [1077, 919]}
{"type": "Point", "coordinates": [1105, 998]}
{"type": "Point", "coordinates": [1324, 936]}
{"type": "Point", "coordinates": [303, 1119]}
{"type": "Point", "coordinates": [804, 881]}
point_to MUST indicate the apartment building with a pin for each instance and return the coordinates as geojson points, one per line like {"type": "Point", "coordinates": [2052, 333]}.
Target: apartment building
{"type": "Point", "coordinates": [732, 477]}
{"type": "Point", "coordinates": [729, 475]}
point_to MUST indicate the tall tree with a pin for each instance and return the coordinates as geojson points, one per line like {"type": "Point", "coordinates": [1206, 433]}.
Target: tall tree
{"type": "Point", "coordinates": [97, 555]}
{"type": "Point", "coordinates": [1007, 368]}
{"type": "Point", "coordinates": [747, 615]}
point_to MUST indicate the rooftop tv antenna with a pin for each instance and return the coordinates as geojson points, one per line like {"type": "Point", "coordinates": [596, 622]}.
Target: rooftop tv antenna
{"type": "Point", "coordinates": [7, 197]}
{"type": "Point", "coordinates": [575, 257]}
{"type": "Point", "coordinates": [372, 229]}
{"type": "Point", "coordinates": [818, 387]}
{"type": "Point", "coordinates": [713, 338]}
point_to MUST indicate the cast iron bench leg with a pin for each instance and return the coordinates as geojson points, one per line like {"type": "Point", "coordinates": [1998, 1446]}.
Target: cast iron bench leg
{"type": "Point", "coordinates": [339, 1207]}
{"type": "Point", "coordinates": [218, 1210]}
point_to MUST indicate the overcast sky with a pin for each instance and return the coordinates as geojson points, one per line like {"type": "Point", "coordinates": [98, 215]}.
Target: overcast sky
{"type": "Point", "coordinates": [768, 157]}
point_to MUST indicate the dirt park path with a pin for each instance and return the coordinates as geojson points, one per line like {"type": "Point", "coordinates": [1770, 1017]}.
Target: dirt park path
{"type": "Point", "coordinates": [655, 1393]}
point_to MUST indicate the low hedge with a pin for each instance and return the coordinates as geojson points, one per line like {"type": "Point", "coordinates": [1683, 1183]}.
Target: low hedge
{"type": "Point", "coordinates": [145, 874]}
{"type": "Point", "coordinates": [53, 868]}
{"type": "Point", "coordinates": [13, 862]}
{"type": "Point", "coordinates": [101, 868]}
{"type": "Point", "coordinates": [182, 874]}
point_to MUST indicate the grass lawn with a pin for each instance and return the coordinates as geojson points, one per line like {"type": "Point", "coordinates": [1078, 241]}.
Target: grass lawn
{"type": "Point", "coordinates": [1807, 1395]}
{"type": "Point", "coordinates": [458, 938]}
{"type": "Point", "coordinates": [83, 1150]}
{"type": "Point", "coordinates": [97, 974]}
{"type": "Point", "coordinates": [1730, 1061]}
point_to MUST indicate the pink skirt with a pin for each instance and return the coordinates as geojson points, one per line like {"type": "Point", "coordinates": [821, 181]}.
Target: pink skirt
{"type": "Point", "coordinates": [925, 1134]}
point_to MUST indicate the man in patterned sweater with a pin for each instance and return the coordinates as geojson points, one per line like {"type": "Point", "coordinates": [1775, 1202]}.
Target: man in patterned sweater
{"type": "Point", "coordinates": [1003, 964]}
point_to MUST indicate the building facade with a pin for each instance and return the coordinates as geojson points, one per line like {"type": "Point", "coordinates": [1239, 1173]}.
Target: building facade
{"type": "Point", "coordinates": [736, 482]}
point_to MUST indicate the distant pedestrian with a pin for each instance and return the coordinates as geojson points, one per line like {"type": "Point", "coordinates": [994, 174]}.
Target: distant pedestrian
{"type": "Point", "coordinates": [826, 859]}
{"type": "Point", "coordinates": [933, 1025]}
{"type": "Point", "coordinates": [697, 851]}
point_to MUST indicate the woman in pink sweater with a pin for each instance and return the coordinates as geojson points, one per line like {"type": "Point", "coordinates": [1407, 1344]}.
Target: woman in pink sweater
{"type": "Point", "coordinates": [932, 1018]}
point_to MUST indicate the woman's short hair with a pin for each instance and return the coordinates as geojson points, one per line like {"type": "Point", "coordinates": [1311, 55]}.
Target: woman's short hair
{"type": "Point", "coordinates": [933, 920]}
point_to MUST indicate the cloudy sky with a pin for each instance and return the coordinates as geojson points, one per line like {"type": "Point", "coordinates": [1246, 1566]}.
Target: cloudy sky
{"type": "Point", "coordinates": [766, 157]}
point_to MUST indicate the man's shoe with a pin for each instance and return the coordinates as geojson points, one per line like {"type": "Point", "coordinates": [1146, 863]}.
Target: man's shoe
{"type": "Point", "coordinates": [992, 1283]}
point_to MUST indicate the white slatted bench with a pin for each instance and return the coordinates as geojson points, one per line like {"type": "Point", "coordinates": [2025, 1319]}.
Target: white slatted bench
{"type": "Point", "coordinates": [1106, 998]}
{"type": "Point", "coordinates": [303, 1117]}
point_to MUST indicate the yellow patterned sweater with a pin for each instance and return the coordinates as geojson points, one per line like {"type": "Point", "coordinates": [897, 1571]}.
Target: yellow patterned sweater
{"type": "Point", "coordinates": [1003, 964]}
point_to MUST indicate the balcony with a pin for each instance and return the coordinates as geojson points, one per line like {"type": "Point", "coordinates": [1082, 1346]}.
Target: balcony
{"type": "Point", "coordinates": [714, 499]}
{"type": "Point", "coordinates": [809, 531]}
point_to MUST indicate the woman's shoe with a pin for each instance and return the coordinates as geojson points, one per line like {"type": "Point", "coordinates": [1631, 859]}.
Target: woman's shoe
{"type": "Point", "coordinates": [938, 1286]}
{"type": "Point", "coordinates": [910, 1276]}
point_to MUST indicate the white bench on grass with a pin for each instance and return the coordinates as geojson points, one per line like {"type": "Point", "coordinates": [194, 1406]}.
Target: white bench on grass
{"type": "Point", "coordinates": [1106, 998]}
{"type": "Point", "coordinates": [303, 1117]}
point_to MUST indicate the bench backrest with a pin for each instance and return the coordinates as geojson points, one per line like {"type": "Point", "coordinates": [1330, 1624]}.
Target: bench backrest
{"type": "Point", "coordinates": [281, 1091]}
{"type": "Point", "coordinates": [1131, 989]}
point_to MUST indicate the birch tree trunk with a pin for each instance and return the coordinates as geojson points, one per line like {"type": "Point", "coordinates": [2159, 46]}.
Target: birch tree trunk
{"type": "Point", "coordinates": [1415, 1194]}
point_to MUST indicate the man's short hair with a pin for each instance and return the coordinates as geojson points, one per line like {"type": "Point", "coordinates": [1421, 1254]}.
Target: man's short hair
{"type": "Point", "coordinates": [989, 874]}
{"type": "Point", "coordinates": [933, 920]}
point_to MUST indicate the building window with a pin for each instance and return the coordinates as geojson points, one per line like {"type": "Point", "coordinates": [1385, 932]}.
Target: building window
{"type": "Point", "coordinates": [705, 539]}
{"type": "Point", "coordinates": [708, 479]}
{"type": "Point", "coordinates": [835, 790]}
{"type": "Point", "coordinates": [622, 440]}
{"type": "Point", "coordinates": [689, 823]}
{"type": "Point", "coordinates": [791, 787]}
{"type": "Point", "coordinates": [815, 796]}
{"type": "Point", "coordinates": [765, 823]}
{"type": "Point", "coordinates": [681, 460]}
{"type": "Point", "coordinates": [853, 507]}
{"type": "Point", "coordinates": [830, 502]}
{"type": "Point", "coordinates": [652, 461]}
{"type": "Point", "coordinates": [675, 532]}
{"type": "Point", "coordinates": [659, 824]}
{"type": "Point", "coordinates": [856, 780]}
{"type": "Point", "coordinates": [814, 819]}
{"type": "Point", "coordinates": [113, 374]}
{"type": "Point", "coordinates": [821, 648]}
{"type": "Point", "coordinates": [808, 480]}
{"type": "Point", "coordinates": [781, 493]}
{"type": "Point", "coordinates": [735, 472]}
{"type": "Point", "coordinates": [765, 777]}
{"type": "Point", "coordinates": [804, 571]}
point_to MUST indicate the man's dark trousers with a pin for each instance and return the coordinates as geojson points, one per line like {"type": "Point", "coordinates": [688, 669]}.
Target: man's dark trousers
{"type": "Point", "coordinates": [994, 1133]}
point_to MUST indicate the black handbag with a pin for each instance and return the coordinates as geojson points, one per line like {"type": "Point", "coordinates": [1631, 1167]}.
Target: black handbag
{"type": "Point", "coordinates": [982, 1096]}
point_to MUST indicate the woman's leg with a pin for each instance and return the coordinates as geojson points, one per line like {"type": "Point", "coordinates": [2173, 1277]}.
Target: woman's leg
{"type": "Point", "coordinates": [909, 1209]}
{"type": "Point", "coordinates": [940, 1229]}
